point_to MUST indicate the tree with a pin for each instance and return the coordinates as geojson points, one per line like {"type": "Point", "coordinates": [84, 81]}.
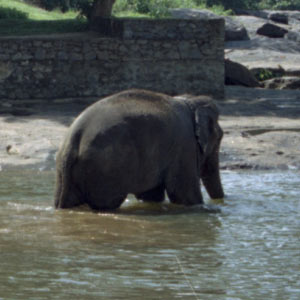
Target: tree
{"type": "Point", "coordinates": [102, 8]}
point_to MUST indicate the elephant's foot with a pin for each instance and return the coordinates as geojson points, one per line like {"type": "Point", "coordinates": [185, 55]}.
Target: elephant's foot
{"type": "Point", "coordinates": [107, 204]}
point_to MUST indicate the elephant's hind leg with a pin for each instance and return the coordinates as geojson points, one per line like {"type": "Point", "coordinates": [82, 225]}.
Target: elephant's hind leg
{"type": "Point", "coordinates": [184, 188]}
{"type": "Point", "coordinates": [154, 195]}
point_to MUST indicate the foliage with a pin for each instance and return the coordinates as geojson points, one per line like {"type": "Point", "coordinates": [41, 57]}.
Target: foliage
{"type": "Point", "coordinates": [158, 8]}
{"type": "Point", "coordinates": [283, 4]}
{"type": "Point", "coordinates": [152, 8]}
{"type": "Point", "coordinates": [84, 7]}
{"type": "Point", "coordinates": [63, 5]}
{"type": "Point", "coordinates": [265, 74]}
{"type": "Point", "coordinates": [12, 13]}
{"type": "Point", "coordinates": [252, 4]}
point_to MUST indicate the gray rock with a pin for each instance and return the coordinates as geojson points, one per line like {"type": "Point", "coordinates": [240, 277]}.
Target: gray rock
{"type": "Point", "coordinates": [235, 30]}
{"type": "Point", "coordinates": [186, 13]}
{"type": "Point", "coordinates": [237, 74]}
{"type": "Point", "coordinates": [279, 55]}
{"type": "Point", "coordinates": [251, 23]}
{"type": "Point", "coordinates": [283, 83]}
{"type": "Point", "coordinates": [264, 52]}
{"type": "Point", "coordinates": [293, 36]}
{"type": "Point", "coordinates": [5, 70]}
{"type": "Point", "coordinates": [279, 17]}
{"type": "Point", "coordinates": [272, 31]}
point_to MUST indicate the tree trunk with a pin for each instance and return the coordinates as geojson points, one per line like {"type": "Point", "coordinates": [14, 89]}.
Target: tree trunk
{"type": "Point", "coordinates": [102, 8]}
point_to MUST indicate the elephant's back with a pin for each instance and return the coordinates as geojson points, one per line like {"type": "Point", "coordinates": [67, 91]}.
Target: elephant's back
{"type": "Point", "coordinates": [132, 125]}
{"type": "Point", "coordinates": [130, 121]}
{"type": "Point", "coordinates": [127, 135]}
{"type": "Point", "coordinates": [134, 110]}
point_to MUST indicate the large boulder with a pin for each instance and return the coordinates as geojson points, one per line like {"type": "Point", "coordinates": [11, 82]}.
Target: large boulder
{"type": "Point", "coordinates": [279, 17]}
{"type": "Point", "coordinates": [251, 24]}
{"type": "Point", "coordinates": [237, 74]}
{"type": "Point", "coordinates": [235, 30]}
{"type": "Point", "coordinates": [272, 31]}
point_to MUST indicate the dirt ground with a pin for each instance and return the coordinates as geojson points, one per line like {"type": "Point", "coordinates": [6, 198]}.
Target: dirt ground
{"type": "Point", "coordinates": [262, 130]}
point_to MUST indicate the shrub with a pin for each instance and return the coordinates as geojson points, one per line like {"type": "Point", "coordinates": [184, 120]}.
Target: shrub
{"type": "Point", "coordinates": [63, 5]}
{"type": "Point", "coordinates": [12, 13]}
{"type": "Point", "coordinates": [283, 4]}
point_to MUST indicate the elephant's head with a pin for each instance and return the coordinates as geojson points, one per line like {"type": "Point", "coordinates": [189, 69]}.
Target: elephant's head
{"type": "Point", "coordinates": [208, 134]}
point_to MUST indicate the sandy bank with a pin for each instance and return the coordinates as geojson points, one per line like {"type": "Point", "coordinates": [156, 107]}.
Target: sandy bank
{"type": "Point", "coordinates": [262, 130]}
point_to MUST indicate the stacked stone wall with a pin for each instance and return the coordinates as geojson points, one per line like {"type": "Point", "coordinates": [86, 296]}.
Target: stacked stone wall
{"type": "Point", "coordinates": [171, 56]}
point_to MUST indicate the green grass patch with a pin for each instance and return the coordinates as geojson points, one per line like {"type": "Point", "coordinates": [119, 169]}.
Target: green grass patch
{"type": "Point", "coordinates": [36, 13]}
{"type": "Point", "coordinates": [159, 8]}
{"type": "Point", "coordinates": [34, 27]}
{"type": "Point", "coordinates": [20, 18]}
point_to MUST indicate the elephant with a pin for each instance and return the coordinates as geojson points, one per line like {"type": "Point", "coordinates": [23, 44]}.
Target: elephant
{"type": "Point", "coordinates": [143, 143]}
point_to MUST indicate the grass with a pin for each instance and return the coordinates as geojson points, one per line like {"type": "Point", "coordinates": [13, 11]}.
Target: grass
{"type": "Point", "coordinates": [122, 8]}
{"type": "Point", "coordinates": [36, 13]}
{"type": "Point", "coordinates": [20, 18]}
{"type": "Point", "coordinates": [33, 27]}
{"type": "Point", "coordinates": [39, 21]}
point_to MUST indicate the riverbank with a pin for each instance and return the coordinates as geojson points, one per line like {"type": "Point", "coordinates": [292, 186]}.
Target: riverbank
{"type": "Point", "coordinates": [262, 130]}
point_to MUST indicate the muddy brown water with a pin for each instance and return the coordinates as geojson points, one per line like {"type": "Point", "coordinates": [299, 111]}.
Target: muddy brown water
{"type": "Point", "coordinates": [249, 250]}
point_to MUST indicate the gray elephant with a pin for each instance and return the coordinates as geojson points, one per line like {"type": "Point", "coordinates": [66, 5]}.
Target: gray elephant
{"type": "Point", "coordinates": [142, 143]}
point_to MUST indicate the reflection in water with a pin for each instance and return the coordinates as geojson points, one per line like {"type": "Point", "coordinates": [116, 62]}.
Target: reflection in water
{"type": "Point", "coordinates": [250, 250]}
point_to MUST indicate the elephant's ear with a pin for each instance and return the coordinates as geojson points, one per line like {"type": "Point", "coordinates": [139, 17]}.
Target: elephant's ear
{"type": "Point", "coordinates": [204, 128]}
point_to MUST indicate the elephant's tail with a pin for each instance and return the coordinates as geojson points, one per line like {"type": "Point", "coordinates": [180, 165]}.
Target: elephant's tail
{"type": "Point", "coordinates": [67, 194]}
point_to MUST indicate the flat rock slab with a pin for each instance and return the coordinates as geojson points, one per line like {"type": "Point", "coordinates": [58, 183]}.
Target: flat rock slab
{"type": "Point", "coordinates": [266, 53]}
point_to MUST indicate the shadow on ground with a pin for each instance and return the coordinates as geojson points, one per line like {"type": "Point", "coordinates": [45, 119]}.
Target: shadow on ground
{"type": "Point", "coordinates": [239, 101]}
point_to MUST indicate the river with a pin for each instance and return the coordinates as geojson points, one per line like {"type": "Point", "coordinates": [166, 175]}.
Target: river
{"type": "Point", "coordinates": [248, 250]}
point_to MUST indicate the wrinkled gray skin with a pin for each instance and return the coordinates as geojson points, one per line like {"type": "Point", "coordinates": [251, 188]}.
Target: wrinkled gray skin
{"type": "Point", "coordinates": [142, 143]}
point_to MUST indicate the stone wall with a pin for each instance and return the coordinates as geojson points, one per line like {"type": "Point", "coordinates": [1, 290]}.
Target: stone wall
{"type": "Point", "coordinates": [171, 56]}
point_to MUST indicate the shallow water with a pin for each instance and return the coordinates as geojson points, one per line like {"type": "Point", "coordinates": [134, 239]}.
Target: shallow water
{"type": "Point", "coordinates": [250, 250]}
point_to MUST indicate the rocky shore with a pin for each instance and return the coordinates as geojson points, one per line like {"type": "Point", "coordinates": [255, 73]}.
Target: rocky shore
{"type": "Point", "coordinates": [261, 47]}
{"type": "Point", "coordinates": [268, 46]}
{"type": "Point", "coordinates": [261, 126]}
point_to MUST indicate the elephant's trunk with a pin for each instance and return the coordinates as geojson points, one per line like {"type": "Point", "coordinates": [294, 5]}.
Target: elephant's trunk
{"type": "Point", "coordinates": [211, 177]}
